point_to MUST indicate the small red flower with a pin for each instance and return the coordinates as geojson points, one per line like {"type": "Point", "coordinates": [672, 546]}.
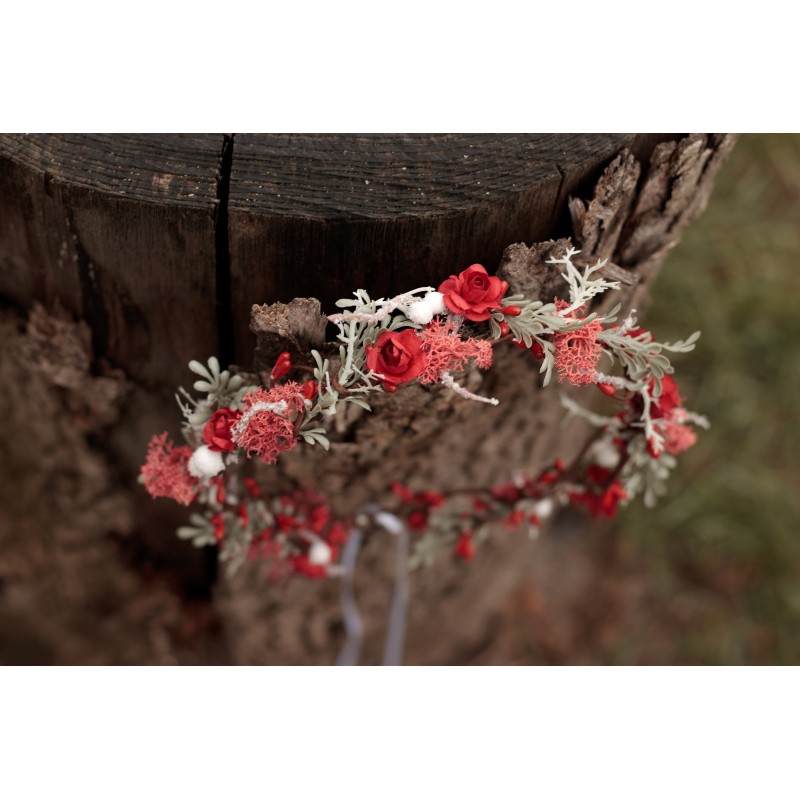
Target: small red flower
{"type": "Point", "coordinates": [218, 521]}
{"type": "Point", "coordinates": [465, 548]}
{"type": "Point", "coordinates": [397, 356]}
{"type": "Point", "coordinates": [418, 520]}
{"type": "Point", "coordinates": [403, 492]}
{"type": "Point", "coordinates": [430, 499]}
{"type": "Point", "coordinates": [303, 566]}
{"type": "Point", "coordinates": [473, 293]}
{"type": "Point", "coordinates": [217, 432]}
{"type": "Point", "coordinates": [604, 504]}
{"type": "Point", "coordinates": [668, 400]}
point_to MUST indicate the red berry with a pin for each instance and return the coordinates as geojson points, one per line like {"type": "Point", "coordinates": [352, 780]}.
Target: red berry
{"type": "Point", "coordinates": [504, 329]}
{"type": "Point", "coordinates": [309, 389]}
{"type": "Point", "coordinates": [403, 492]}
{"type": "Point", "coordinates": [607, 388]}
{"type": "Point", "coordinates": [465, 548]}
{"type": "Point", "coordinates": [417, 521]}
{"type": "Point", "coordinates": [282, 365]}
{"type": "Point", "coordinates": [651, 449]}
{"type": "Point", "coordinates": [252, 487]}
{"type": "Point", "coordinates": [537, 350]}
{"type": "Point", "coordinates": [511, 311]}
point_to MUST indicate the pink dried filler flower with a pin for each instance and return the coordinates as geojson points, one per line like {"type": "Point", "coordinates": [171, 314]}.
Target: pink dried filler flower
{"type": "Point", "coordinates": [165, 473]}
{"type": "Point", "coordinates": [267, 425]}
{"type": "Point", "coordinates": [448, 352]}
{"type": "Point", "coordinates": [577, 353]}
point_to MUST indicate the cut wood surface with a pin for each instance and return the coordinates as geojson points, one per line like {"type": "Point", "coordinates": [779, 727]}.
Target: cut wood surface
{"type": "Point", "coordinates": [161, 245]}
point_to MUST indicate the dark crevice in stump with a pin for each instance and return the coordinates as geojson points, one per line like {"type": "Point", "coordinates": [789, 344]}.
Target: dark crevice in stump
{"type": "Point", "coordinates": [224, 302]}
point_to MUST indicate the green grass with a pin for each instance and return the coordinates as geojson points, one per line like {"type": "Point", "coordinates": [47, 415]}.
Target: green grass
{"type": "Point", "coordinates": [722, 550]}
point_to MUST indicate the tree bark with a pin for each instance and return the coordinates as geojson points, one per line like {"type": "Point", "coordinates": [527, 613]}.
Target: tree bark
{"type": "Point", "coordinates": [125, 257]}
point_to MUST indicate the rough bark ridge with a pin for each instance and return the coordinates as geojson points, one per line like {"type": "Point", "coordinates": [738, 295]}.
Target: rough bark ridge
{"type": "Point", "coordinates": [432, 438]}
{"type": "Point", "coordinates": [105, 564]}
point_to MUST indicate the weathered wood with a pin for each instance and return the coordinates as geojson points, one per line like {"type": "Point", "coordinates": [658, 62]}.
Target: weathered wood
{"type": "Point", "coordinates": [319, 216]}
{"type": "Point", "coordinates": [175, 239]}
{"type": "Point", "coordinates": [121, 232]}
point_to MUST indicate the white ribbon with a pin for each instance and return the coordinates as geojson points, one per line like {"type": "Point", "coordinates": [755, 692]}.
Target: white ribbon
{"type": "Point", "coordinates": [354, 628]}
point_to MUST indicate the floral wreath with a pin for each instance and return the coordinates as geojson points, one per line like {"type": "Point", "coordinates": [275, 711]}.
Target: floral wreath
{"type": "Point", "coordinates": [429, 336]}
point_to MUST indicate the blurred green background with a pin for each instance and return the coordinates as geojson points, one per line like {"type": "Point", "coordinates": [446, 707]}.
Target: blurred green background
{"type": "Point", "coordinates": [725, 543]}
{"type": "Point", "coordinates": [712, 574]}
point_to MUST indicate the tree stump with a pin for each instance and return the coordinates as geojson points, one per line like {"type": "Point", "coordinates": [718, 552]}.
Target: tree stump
{"type": "Point", "coordinates": [123, 257]}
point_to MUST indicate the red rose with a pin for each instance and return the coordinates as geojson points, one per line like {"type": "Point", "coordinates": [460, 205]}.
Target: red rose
{"type": "Point", "coordinates": [473, 293]}
{"type": "Point", "coordinates": [398, 356]}
{"type": "Point", "coordinates": [217, 432]}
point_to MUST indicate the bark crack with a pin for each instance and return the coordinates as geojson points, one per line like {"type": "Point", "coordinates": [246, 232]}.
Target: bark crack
{"type": "Point", "coordinates": [224, 302]}
{"type": "Point", "coordinates": [94, 310]}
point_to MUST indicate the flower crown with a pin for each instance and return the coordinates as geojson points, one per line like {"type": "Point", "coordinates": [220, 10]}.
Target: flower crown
{"type": "Point", "coordinates": [429, 336]}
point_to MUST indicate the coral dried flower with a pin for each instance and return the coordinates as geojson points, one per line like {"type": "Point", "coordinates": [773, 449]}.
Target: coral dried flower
{"type": "Point", "coordinates": [165, 472]}
{"type": "Point", "coordinates": [448, 352]}
{"type": "Point", "coordinates": [267, 428]}
{"type": "Point", "coordinates": [577, 353]}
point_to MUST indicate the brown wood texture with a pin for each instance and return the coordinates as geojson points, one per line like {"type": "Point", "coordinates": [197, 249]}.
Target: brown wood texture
{"type": "Point", "coordinates": [162, 244]}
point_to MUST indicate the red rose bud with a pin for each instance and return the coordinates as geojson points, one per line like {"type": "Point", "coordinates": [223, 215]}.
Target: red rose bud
{"type": "Point", "coordinates": [217, 431]}
{"type": "Point", "coordinates": [220, 490]}
{"type": "Point", "coordinates": [504, 329]}
{"type": "Point", "coordinates": [218, 521]}
{"type": "Point", "coordinates": [310, 390]}
{"type": "Point", "coordinates": [282, 366]}
{"type": "Point", "coordinates": [537, 350]}
{"type": "Point", "coordinates": [511, 311]}
{"type": "Point", "coordinates": [607, 388]}
{"type": "Point", "coordinates": [465, 548]}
